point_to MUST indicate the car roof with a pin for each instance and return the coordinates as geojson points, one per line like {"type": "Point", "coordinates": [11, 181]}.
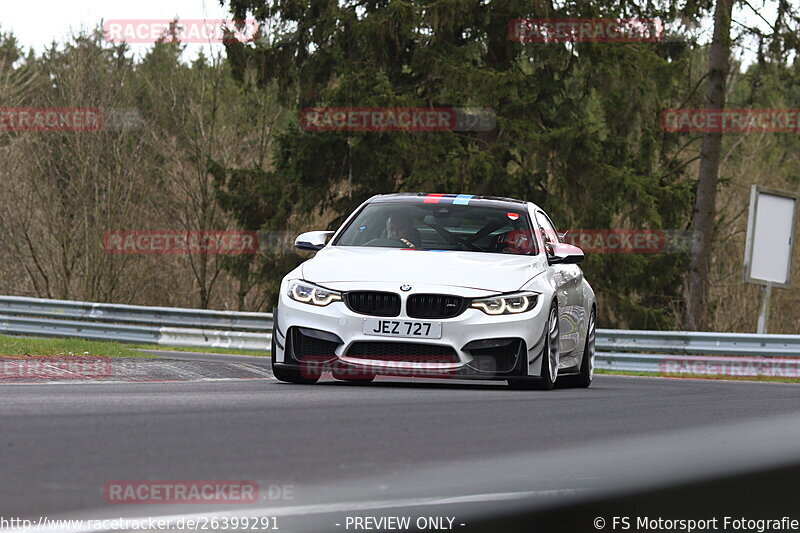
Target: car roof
{"type": "Point", "coordinates": [458, 199]}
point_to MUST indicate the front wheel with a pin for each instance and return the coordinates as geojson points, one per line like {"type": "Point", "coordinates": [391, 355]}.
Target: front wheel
{"type": "Point", "coordinates": [551, 356]}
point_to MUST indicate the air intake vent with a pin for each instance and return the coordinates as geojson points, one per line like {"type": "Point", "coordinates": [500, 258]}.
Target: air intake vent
{"type": "Point", "coordinates": [403, 351]}
{"type": "Point", "coordinates": [373, 303]}
{"type": "Point", "coordinates": [312, 346]}
{"type": "Point", "coordinates": [434, 306]}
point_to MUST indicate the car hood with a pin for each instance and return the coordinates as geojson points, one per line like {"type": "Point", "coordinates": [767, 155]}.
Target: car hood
{"type": "Point", "coordinates": [486, 271]}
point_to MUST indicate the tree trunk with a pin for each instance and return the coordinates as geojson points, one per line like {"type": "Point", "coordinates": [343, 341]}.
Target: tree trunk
{"type": "Point", "coordinates": [704, 210]}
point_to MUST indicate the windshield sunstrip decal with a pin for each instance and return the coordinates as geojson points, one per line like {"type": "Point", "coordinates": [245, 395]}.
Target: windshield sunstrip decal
{"type": "Point", "coordinates": [461, 199]}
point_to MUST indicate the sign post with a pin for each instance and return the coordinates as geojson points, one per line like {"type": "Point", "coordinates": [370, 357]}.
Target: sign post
{"type": "Point", "coordinates": [768, 248]}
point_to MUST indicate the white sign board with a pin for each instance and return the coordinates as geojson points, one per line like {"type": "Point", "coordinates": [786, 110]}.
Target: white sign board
{"type": "Point", "coordinates": [770, 230]}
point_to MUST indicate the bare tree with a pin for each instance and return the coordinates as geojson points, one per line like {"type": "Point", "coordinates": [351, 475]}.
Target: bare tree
{"type": "Point", "coordinates": [704, 213]}
{"type": "Point", "coordinates": [69, 187]}
{"type": "Point", "coordinates": [196, 116]}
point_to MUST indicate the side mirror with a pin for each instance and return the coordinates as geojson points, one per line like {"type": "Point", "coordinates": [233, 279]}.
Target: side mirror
{"type": "Point", "coordinates": [564, 254]}
{"type": "Point", "coordinates": [312, 240]}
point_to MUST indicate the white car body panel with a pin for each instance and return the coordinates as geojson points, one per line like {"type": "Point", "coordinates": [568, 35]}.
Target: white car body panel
{"type": "Point", "coordinates": [460, 273]}
{"type": "Point", "coordinates": [334, 264]}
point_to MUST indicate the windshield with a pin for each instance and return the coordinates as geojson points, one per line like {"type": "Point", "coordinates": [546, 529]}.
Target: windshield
{"type": "Point", "coordinates": [489, 229]}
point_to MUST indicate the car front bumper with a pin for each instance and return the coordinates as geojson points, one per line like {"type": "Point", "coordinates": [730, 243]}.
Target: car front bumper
{"type": "Point", "coordinates": [478, 345]}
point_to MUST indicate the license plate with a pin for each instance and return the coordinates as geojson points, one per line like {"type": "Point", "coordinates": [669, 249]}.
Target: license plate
{"type": "Point", "coordinates": [402, 328]}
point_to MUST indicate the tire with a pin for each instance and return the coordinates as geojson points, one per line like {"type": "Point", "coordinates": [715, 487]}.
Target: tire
{"type": "Point", "coordinates": [584, 379]}
{"type": "Point", "coordinates": [550, 365]}
{"type": "Point", "coordinates": [290, 375]}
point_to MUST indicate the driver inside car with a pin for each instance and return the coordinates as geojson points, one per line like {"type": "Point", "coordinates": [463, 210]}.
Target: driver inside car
{"type": "Point", "coordinates": [515, 242]}
{"type": "Point", "coordinates": [401, 228]}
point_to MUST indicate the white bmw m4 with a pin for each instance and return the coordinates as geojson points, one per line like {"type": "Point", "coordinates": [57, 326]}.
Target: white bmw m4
{"type": "Point", "coordinates": [438, 285]}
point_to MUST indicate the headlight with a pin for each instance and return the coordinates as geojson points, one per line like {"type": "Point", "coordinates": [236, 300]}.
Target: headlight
{"type": "Point", "coordinates": [507, 304]}
{"type": "Point", "coordinates": [308, 293]}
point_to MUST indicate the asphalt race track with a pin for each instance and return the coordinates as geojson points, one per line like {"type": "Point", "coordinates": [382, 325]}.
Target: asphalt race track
{"type": "Point", "coordinates": [326, 452]}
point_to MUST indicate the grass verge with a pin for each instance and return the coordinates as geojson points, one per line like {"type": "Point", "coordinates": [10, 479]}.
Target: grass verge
{"type": "Point", "coordinates": [15, 346]}
{"type": "Point", "coordinates": [20, 346]}
{"type": "Point", "coordinates": [230, 351]}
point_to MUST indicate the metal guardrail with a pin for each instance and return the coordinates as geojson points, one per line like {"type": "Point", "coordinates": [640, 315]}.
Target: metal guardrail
{"type": "Point", "coordinates": [166, 326]}
{"type": "Point", "coordinates": [698, 342]}
{"type": "Point", "coordinates": [135, 314]}
{"type": "Point", "coordinates": [675, 353]}
{"type": "Point", "coordinates": [665, 352]}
